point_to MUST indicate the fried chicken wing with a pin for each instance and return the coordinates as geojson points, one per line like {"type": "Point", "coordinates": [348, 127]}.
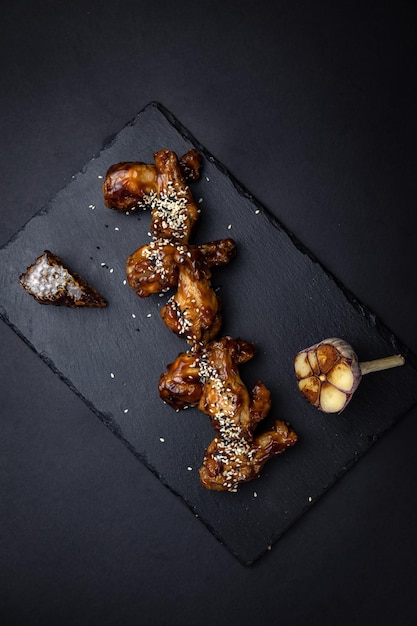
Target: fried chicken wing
{"type": "Point", "coordinates": [229, 463]}
{"type": "Point", "coordinates": [174, 210]}
{"type": "Point", "coordinates": [153, 268]}
{"type": "Point", "coordinates": [225, 398]}
{"type": "Point", "coordinates": [128, 184]}
{"type": "Point", "coordinates": [193, 312]}
{"type": "Point", "coordinates": [180, 386]}
{"type": "Point", "coordinates": [235, 455]}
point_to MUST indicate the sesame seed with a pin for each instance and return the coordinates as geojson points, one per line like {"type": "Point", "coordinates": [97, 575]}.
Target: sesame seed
{"type": "Point", "coordinates": [229, 227]}
{"type": "Point", "coordinates": [103, 264]}
{"type": "Point", "coordinates": [125, 410]}
{"type": "Point", "coordinates": [310, 499]}
{"type": "Point", "coordinates": [99, 176]}
{"type": "Point", "coordinates": [133, 315]}
{"type": "Point", "coordinates": [91, 206]}
{"type": "Point", "coordinates": [125, 281]}
{"type": "Point", "coordinates": [111, 375]}
{"type": "Point", "coordinates": [149, 315]}
{"type": "Point", "coordinates": [189, 468]}
{"type": "Point", "coordinates": [207, 179]}
{"type": "Point", "coordinates": [255, 495]}
{"type": "Point", "coordinates": [111, 270]}
{"type": "Point", "coordinates": [161, 439]}
{"type": "Point", "coordinates": [116, 228]}
{"type": "Point", "coordinates": [200, 200]}
{"type": "Point", "coordinates": [257, 212]}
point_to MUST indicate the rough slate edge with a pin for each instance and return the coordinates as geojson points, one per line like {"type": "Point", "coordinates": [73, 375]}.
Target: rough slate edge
{"type": "Point", "coordinates": [387, 335]}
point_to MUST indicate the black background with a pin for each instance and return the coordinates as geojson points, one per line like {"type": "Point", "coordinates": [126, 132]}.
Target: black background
{"type": "Point", "coordinates": [312, 107]}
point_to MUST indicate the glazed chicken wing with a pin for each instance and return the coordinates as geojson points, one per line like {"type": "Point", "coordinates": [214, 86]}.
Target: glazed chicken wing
{"type": "Point", "coordinates": [153, 267]}
{"type": "Point", "coordinates": [174, 210]}
{"type": "Point", "coordinates": [236, 455]}
{"type": "Point", "coordinates": [193, 312]}
{"type": "Point", "coordinates": [181, 385]}
{"type": "Point", "coordinates": [225, 398]}
{"type": "Point", "coordinates": [128, 185]}
{"type": "Point", "coordinates": [229, 463]}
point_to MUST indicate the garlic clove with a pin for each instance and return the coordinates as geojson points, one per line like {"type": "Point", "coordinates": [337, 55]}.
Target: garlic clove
{"type": "Point", "coordinates": [314, 364]}
{"type": "Point", "coordinates": [302, 365]}
{"type": "Point", "coordinates": [327, 356]}
{"type": "Point", "coordinates": [332, 400]}
{"type": "Point", "coordinates": [341, 376]}
{"type": "Point", "coordinates": [310, 388]}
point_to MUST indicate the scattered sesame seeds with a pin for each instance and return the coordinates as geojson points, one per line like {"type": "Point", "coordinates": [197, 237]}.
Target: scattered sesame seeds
{"type": "Point", "coordinates": [229, 227]}
{"type": "Point", "coordinates": [207, 179]}
{"type": "Point", "coordinates": [161, 439]}
{"type": "Point", "coordinates": [133, 315]}
{"type": "Point", "coordinates": [116, 228]}
{"type": "Point", "coordinates": [189, 468]}
{"type": "Point", "coordinates": [111, 375]}
{"type": "Point", "coordinates": [125, 281]}
{"type": "Point", "coordinates": [255, 495]}
{"type": "Point", "coordinates": [310, 499]}
{"type": "Point", "coordinates": [125, 410]}
{"type": "Point", "coordinates": [103, 264]}
{"type": "Point", "coordinates": [100, 176]}
{"type": "Point", "coordinates": [149, 315]}
{"type": "Point", "coordinates": [111, 270]}
{"type": "Point", "coordinates": [257, 211]}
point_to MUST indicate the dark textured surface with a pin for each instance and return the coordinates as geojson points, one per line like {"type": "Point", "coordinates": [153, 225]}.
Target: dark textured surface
{"type": "Point", "coordinates": [312, 107]}
{"type": "Point", "coordinates": [274, 294]}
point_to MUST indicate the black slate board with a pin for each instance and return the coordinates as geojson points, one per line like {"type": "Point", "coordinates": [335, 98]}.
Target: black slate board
{"type": "Point", "coordinates": [274, 293]}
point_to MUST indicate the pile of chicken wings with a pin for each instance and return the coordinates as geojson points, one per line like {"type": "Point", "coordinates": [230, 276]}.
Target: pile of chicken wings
{"type": "Point", "coordinates": [206, 375]}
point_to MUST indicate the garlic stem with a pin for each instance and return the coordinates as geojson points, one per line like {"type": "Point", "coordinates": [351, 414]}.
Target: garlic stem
{"type": "Point", "coordinates": [381, 364]}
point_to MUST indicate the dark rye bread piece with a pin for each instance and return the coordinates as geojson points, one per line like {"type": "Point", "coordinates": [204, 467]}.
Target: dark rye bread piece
{"type": "Point", "coordinates": [49, 281]}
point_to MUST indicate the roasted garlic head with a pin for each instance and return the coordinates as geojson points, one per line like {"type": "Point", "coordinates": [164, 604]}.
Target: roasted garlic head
{"type": "Point", "coordinates": [328, 373]}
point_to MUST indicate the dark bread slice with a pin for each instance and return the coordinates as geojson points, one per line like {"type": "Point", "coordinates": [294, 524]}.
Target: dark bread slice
{"type": "Point", "coordinates": [49, 281]}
